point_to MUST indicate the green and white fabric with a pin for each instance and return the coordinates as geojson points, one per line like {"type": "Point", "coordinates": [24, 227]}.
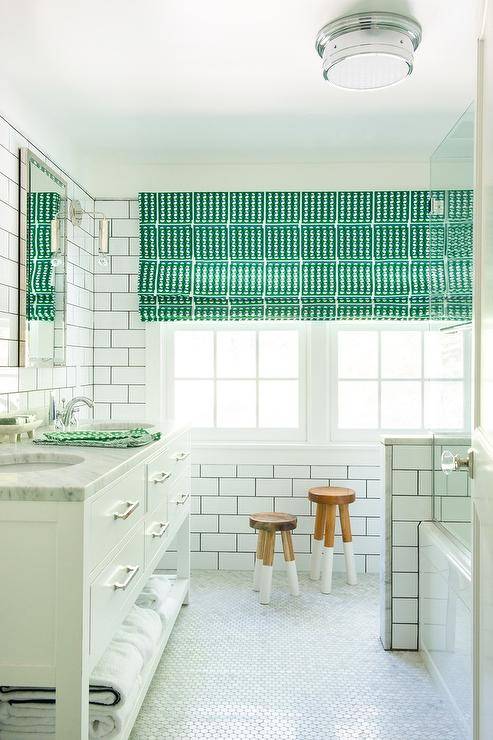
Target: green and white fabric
{"type": "Point", "coordinates": [40, 299]}
{"type": "Point", "coordinates": [92, 438]}
{"type": "Point", "coordinates": [305, 255]}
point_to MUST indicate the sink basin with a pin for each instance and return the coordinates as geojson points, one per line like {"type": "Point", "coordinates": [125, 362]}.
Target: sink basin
{"type": "Point", "coordinates": [109, 426]}
{"type": "Point", "coordinates": [36, 462]}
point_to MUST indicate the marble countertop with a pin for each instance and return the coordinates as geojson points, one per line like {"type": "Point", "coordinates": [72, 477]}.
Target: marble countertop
{"type": "Point", "coordinates": [99, 467]}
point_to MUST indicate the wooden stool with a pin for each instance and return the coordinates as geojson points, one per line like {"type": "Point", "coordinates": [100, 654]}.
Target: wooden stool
{"type": "Point", "coordinates": [327, 499]}
{"type": "Point", "coordinates": [268, 523]}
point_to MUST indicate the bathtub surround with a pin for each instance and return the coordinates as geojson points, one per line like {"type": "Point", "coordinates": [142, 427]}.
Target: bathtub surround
{"type": "Point", "coordinates": [445, 616]}
{"type": "Point", "coordinates": [22, 388]}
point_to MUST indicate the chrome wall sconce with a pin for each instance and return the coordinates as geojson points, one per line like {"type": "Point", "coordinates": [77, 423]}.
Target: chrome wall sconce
{"type": "Point", "coordinates": [76, 213]}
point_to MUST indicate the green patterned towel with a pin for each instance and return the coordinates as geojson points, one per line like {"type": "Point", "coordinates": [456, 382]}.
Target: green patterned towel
{"type": "Point", "coordinates": [92, 438]}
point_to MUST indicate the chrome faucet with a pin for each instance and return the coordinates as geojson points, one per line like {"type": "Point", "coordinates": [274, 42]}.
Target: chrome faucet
{"type": "Point", "coordinates": [66, 416]}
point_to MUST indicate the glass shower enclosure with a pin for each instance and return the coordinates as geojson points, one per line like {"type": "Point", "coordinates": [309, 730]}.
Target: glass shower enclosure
{"type": "Point", "coordinates": [450, 229]}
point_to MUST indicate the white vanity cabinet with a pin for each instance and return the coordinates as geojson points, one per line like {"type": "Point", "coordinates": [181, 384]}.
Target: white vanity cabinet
{"type": "Point", "coordinates": [73, 559]}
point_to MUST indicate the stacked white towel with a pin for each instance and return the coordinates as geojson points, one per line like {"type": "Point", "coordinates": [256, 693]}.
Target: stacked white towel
{"type": "Point", "coordinates": [142, 628]}
{"type": "Point", "coordinates": [107, 722]}
{"type": "Point", "coordinates": [155, 593]}
{"type": "Point", "coordinates": [119, 668]}
{"type": "Point", "coordinates": [114, 685]}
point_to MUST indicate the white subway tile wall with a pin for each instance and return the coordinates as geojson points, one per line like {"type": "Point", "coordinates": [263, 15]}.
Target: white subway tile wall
{"type": "Point", "coordinates": [23, 388]}
{"type": "Point", "coordinates": [224, 495]}
{"type": "Point", "coordinates": [119, 334]}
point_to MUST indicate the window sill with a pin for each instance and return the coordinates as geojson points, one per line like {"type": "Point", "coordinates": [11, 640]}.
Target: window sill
{"type": "Point", "coordinates": [287, 453]}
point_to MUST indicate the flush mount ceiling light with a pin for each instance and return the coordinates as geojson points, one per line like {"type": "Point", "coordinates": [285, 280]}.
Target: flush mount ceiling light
{"type": "Point", "coordinates": [367, 51]}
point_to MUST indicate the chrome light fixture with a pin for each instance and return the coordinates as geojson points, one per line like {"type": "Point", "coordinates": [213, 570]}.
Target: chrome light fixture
{"type": "Point", "coordinates": [368, 50]}
{"type": "Point", "coordinates": [76, 214]}
{"type": "Point", "coordinates": [104, 243]}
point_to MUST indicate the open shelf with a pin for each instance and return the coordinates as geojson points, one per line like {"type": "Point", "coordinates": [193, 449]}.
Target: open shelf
{"type": "Point", "coordinates": [174, 603]}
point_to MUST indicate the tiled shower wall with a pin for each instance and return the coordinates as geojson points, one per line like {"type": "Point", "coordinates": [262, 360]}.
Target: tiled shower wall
{"type": "Point", "coordinates": [31, 387]}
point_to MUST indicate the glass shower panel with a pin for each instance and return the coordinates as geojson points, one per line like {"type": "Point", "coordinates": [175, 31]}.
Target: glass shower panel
{"type": "Point", "coordinates": [448, 358]}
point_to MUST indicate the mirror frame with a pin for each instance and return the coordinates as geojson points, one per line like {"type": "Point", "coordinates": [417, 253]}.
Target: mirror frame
{"type": "Point", "coordinates": [26, 156]}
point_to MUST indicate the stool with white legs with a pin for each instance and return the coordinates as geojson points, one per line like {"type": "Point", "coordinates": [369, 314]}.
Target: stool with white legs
{"type": "Point", "coordinates": [267, 524]}
{"type": "Point", "coordinates": [327, 498]}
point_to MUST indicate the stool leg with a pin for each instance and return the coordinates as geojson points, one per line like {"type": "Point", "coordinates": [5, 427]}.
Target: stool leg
{"type": "Point", "coordinates": [258, 560]}
{"type": "Point", "coordinates": [347, 543]}
{"type": "Point", "coordinates": [328, 558]}
{"type": "Point", "coordinates": [287, 548]}
{"type": "Point", "coordinates": [266, 577]}
{"type": "Point", "coordinates": [318, 536]}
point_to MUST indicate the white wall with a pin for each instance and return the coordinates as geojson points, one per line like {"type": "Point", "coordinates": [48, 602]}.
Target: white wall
{"type": "Point", "coordinates": [126, 180]}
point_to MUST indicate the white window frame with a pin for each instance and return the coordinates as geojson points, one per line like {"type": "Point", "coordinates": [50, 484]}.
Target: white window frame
{"type": "Point", "coordinates": [318, 379]}
{"type": "Point", "coordinates": [231, 434]}
{"type": "Point", "coordinates": [365, 435]}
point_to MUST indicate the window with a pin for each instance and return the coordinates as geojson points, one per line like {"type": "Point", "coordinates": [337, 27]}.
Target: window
{"type": "Point", "coordinates": [238, 381]}
{"type": "Point", "coordinates": [398, 379]}
{"type": "Point", "coordinates": [316, 382]}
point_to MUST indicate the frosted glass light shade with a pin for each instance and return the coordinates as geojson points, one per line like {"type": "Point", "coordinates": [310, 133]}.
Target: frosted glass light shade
{"type": "Point", "coordinates": [368, 51]}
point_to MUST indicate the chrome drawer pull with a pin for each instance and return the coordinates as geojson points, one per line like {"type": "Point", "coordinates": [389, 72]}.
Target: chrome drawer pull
{"type": "Point", "coordinates": [131, 506]}
{"type": "Point", "coordinates": [163, 526]}
{"type": "Point", "coordinates": [160, 477]}
{"type": "Point", "coordinates": [132, 571]}
{"type": "Point", "coordinates": [182, 498]}
{"type": "Point", "coordinates": [181, 455]}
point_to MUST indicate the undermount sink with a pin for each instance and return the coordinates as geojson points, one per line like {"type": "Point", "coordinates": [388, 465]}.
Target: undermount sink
{"type": "Point", "coordinates": [114, 426]}
{"type": "Point", "coordinates": [36, 462]}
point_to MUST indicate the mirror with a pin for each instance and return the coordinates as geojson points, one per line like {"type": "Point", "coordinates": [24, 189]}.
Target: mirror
{"type": "Point", "coordinates": [42, 275]}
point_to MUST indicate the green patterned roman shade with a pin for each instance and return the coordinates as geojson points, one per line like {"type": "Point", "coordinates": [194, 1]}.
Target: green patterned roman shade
{"type": "Point", "coordinates": [40, 299]}
{"type": "Point", "coordinates": [305, 255]}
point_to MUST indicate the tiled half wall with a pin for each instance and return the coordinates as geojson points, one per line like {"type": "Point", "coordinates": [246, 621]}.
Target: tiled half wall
{"type": "Point", "coordinates": [411, 472]}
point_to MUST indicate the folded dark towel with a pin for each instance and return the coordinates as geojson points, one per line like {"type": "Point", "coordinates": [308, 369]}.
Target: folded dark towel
{"type": "Point", "coordinates": [101, 696]}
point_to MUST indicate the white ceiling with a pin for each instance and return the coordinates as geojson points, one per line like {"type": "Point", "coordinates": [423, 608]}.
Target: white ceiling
{"type": "Point", "coordinates": [106, 82]}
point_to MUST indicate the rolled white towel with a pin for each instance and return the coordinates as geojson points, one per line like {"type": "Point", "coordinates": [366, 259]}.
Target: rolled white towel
{"type": "Point", "coordinates": [26, 710]}
{"type": "Point", "coordinates": [108, 722]}
{"type": "Point", "coordinates": [117, 671]}
{"type": "Point", "coordinates": [154, 593]}
{"type": "Point", "coordinates": [28, 724]}
{"type": "Point", "coordinates": [142, 628]}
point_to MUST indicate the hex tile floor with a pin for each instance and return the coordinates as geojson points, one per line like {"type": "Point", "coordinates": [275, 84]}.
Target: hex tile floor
{"type": "Point", "coordinates": [306, 668]}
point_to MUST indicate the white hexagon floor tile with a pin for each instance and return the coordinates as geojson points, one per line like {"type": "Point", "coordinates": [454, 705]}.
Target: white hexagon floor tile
{"type": "Point", "coordinates": [303, 668]}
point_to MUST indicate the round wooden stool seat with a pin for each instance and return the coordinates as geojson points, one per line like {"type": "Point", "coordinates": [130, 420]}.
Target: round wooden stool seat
{"type": "Point", "coordinates": [270, 521]}
{"type": "Point", "coordinates": [331, 495]}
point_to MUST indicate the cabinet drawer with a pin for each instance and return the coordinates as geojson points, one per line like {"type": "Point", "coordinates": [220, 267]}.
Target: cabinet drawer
{"type": "Point", "coordinates": [114, 588]}
{"type": "Point", "coordinates": [157, 531]}
{"type": "Point", "coordinates": [115, 512]}
{"type": "Point", "coordinates": [165, 468]}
